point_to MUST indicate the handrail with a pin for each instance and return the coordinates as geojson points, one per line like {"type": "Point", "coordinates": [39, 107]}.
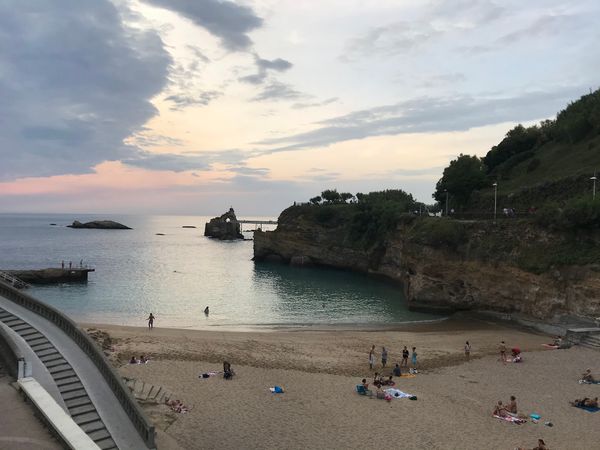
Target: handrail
{"type": "Point", "coordinates": [14, 281]}
{"type": "Point", "coordinates": [113, 379]}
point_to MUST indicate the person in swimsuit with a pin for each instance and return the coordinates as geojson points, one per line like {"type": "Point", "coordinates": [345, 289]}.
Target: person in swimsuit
{"type": "Point", "coordinates": [512, 405]}
{"type": "Point", "coordinates": [588, 377]}
{"type": "Point", "coordinates": [150, 320]}
{"type": "Point", "coordinates": [372, 357]}
{"type": "Point", "coordinates": [467, 350]}
{"type": "Point", "coordinates": [503, 352]}
{"type": "Point", "coordinates": [499, 410]}
{"type": "Point", "coordinates": [384, 357]}
{"type": "Point", "coordinates": [405, 357]}
{"type": "Point", "coordinates": [541, 446]}
{"type": "Point", "coordinates": [414, 359]}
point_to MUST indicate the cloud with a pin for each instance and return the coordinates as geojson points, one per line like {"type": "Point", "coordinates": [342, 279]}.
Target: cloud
{"type": "Point", "coordinates": [304, 105]}
{"type": "Point", "coordinates": [167, 161]}
{"type": "Point", "coordinates": [428, 114]}
{"type": "Point", "coordinates": [226, 20]}
{"type": "Point", "coordinates": [181, 101]}
{"type": "Point", "coordinates": [276, 90]}
{"type": "Point", "coordinates": [75, 83]}
{"type": "Point", "coordinates": [263, 66]}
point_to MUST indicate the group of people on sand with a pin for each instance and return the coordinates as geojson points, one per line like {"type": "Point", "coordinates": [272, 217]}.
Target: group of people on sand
{"type": "Point", "coordinates": [585, 402]}
{"type": "Point", "coordinates": [515, 356]}
{"type": "Point", "coordinates": [510, 409]}
{"type": "Point", "coordinates": [142, 360]}
{"type": "Point", "coordinates": [397, 369]}
{"type": "Point", "coordinates": [379, 381]}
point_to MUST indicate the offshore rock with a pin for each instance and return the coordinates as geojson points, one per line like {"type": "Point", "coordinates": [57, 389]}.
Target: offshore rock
{"type": "Point", "coordinates": [99, 225]}
{"type": "Point", "coordinates": [225, 227]}
{"type": "Point", "coordinates": [493, 267]}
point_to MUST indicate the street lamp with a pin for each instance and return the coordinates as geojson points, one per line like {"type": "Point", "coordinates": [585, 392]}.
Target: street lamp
{"type": "Point", "coordinates": [495, 199]}
{"type": "Point", "coordinates": [446, 191]}
{"type": "Point", "coordinates": [594, 178]}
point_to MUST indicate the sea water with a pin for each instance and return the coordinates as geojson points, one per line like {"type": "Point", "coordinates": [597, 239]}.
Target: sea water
{"type": "Point", "coordinates": [176, 275]}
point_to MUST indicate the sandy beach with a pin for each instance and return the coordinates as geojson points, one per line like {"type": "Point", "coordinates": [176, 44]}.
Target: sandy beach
{"type": "Point", "coordinates": [320, 368]}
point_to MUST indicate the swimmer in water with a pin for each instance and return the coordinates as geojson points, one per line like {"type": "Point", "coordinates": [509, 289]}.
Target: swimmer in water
{"type": "Point", "coordinates": [206, 310]}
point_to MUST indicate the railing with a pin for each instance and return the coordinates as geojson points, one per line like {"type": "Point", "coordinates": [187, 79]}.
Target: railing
{"type": "Point", "coordinates": [89, 347]}
{"type": "Point", "coordinates": [12, 280]}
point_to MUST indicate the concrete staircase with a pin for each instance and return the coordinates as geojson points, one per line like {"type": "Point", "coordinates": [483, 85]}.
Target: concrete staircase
{"type": "Point", "coordinates": [591, 341]}
{"type": "Point", "coordinates": [79, 404]}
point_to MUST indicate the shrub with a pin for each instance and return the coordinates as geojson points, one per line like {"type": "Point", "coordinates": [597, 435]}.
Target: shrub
{"type": "Point", "coordinates": [438, 232]}
{"type": "Point", "coordinates": [533, 164]}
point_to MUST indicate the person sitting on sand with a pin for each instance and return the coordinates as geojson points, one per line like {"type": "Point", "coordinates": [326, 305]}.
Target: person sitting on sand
{"type": "Point", "coordinates": [379, 393]}
{"type": "Point", "coordinates": [499, 410]}
{"type": "Point", "coordinates": [133, 360]}
{"type": "Point", "coordinates": [580, 402]}
{"type": "Point", "coordinates": [143, 359]}
{"type": "Point", "coordinates": [377, 380]}
{"type": "Point", "coordinates": [511, 408]}
{"type": "Point", "coordinates": [397, 372]}
{"type": "Point", "coordinates": [365, 384]}
{"type": "Point", "coordinates": [557, 341]}
{"type": "Point", "coordinates": [592, 403]}
{"type": "Point", "coordinates": [541, 446]}
{"type": "Point", "coordinates": [228, 372]}
{"type": "Point", "coordinates": [388, 382]}
{"type": "Point", "coordinates": [588, 377]}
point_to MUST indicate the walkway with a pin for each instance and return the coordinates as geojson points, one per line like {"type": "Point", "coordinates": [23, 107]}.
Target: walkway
{"type": "Point", "coordinates": [82, 388]}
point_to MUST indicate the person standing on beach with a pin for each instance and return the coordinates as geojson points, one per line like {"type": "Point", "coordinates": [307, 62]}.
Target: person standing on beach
{"type": "Point", "coordinates": [150, 320]}
{"type": "Point", "coordinates": [384, 357]}
{"type": "Point", "coordinates": [503, 352]}
{"type": "Point", "coordinates": [62, 264]}
{"type": "Point", "coordinates": [405, 357]}
{"type": "Point", "coordinates": [414, 359]}
{"type": "Point", "coordinates": [467, 350]}
{"type": "Point", "coordinates": [372, 357]}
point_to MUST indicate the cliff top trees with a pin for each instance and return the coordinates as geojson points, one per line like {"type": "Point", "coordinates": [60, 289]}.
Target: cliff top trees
{"type": "Point", "coordinates": [464, 175]}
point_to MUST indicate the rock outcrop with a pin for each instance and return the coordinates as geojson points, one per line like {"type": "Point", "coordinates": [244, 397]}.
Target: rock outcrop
{"type": "Point", "coordinates": [494, 267]}
{"type": "Point", "coordinates": [225, 227]}
{"type": "Point", "coordinates": [100, 225]}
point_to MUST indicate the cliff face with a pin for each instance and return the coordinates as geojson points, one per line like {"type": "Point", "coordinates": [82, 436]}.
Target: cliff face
{"type": "Point", "coordinates": [512, 266]}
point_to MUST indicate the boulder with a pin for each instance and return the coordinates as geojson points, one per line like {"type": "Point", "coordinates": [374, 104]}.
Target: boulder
{"type": "Point", "coordinates": [100, 225]}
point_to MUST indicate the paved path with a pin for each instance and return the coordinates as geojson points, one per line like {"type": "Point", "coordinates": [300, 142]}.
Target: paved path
{"type": "Point", "coordinates": [19, 429]}
{"type": "Point", "coordinates": [85, 394]}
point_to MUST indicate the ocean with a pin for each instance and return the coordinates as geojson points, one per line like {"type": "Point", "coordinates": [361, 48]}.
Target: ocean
{"type": "Point", "coordinates": [177, 275]}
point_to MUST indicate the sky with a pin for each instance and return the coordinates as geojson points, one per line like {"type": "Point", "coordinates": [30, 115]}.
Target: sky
{"type": "Point", "coordinates": [192, 106]}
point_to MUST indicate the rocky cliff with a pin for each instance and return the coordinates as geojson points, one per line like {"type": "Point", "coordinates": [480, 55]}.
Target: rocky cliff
{"type": "Point", "coordinates": [511, 266]}
{"type": "Point", "coordinates": [225, 227]}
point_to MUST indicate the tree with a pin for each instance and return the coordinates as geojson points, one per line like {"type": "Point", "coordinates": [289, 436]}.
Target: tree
{"type": "Point", "coordinates": [330, 195]}
{"type": "Point", "coordinates": [464, 175]}
{"type": "Point", "coordinates": [345, 196]}
{"type": "Point", "coordinates": [316, 200]}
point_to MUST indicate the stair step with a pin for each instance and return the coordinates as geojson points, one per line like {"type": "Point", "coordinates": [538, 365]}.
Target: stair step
{"type": "Point", "coordinates": [37, 341]}
{"type": "Point", "coordinates": [106, 444]}
{"type": "Point", "coordinates": [90, 427]}
{"type": "Point", "coordinates": [5, 314]}
{"type": "Point", "coordinates": [59, 369]}
{"type": "Point", "coordinates": [67, 381]}
{"type": "Point", "coordinates": [47, 352]}
{"type": "Point", "coordinates": [64, 388]}
{"type": "Point", "coordinates": [99, 435]}
{"type": "Point", "coordinates": [48, 358]}
{"type": "Point", "coordinates": [56, 362]}
{"type": "Point", "coordinates": [23, 327]}
{"type": "Point", "coordinates": [28, 333]}
{"type": "Point", "coordinates": [72, 395]}
{"type": "Point", "coordinates": [87, 417]}
{"type": "Point", "coordinates": [33, 336]}
{"type": "Point", "coordinates": [81, 401]}
{"type": "Point", "coordinates": [63, 375]}
{"type": "Point", "coordinates": [13, 322]}
{"type": "Point", "coordinates": [76, 411]}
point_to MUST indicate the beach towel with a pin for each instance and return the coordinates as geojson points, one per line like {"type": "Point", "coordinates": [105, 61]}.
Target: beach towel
{"type": "Point", "coordinates": [551, 346]}
{"type": "Point", "coordinates": [397, 393]}
{"type": "Point", "coordinates": [208, 374]}
{"type": "Point", "coordinates": [589, 408]}
{"type": "Point", "coordinates": [407, 375]}
{"type": "Point", "coordinates": [511, 419]}
{"type": "Point", "coordinates": [588, 382]}
{"type": "Point", "coordinates": [277, 390]}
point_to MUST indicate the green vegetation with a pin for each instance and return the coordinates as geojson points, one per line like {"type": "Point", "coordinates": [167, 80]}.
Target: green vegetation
{"type": "Point", "coordinates": [534, 166]}
{"type": "Point", "coordinates": [439, 232]}
{"type": "Point", "coordinates": [583, 213]}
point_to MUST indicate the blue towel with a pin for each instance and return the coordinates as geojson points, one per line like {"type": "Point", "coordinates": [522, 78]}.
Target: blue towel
{"type": "Point", "coordinates": [589, 408]}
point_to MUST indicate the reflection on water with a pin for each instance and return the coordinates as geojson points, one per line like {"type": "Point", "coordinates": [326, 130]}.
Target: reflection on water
{"type": "Point", "coordinates": [177, 275]}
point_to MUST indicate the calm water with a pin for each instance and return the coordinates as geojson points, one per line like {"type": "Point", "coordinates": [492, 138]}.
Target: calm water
{"type": "Point", "coordinates": [177, 275]}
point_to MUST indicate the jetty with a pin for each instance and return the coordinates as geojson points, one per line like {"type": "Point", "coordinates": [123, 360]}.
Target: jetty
{"type": "Point", "coordinates": [22, 278]}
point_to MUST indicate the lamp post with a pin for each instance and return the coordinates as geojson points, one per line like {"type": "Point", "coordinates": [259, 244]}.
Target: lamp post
{"type": "Point", "coordinates": [594, 178]}
{"type": "Point", "coordinates": [446, 191]}
{"type": "Point", "coordinates": [495, 199]}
